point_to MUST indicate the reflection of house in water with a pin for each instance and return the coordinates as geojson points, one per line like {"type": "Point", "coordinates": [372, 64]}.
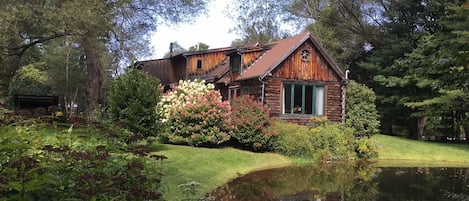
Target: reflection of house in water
{"type": "Point", "coordinates": [293, 77]}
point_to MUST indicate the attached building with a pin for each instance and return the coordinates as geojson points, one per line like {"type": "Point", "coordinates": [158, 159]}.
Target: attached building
{"type": "Point", "coordinates": [294, 77]}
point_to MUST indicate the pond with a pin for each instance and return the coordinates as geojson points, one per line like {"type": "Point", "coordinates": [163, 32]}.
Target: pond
{"type": "Point", "coordinates": [347, 182]}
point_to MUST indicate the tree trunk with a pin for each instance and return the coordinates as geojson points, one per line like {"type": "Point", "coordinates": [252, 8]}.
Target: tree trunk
{"type": "Point", "coordinates": [421, 122]}
{"type": "Point", "coordinates": [94, 84]}
{"type": "Point", "coordinates": [412, 127]}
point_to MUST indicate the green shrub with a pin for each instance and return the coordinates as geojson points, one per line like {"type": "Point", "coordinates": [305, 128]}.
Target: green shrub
{"type": "Point", "coordinates": [366, 149]}
{"type": "Point", "coordinates": [251, 123]}
{"type": "Point", "coordinates": [40, 163]}
{"type": "Point", "coordinates": [333, 141]}
{"type": "Point", "coordinates": [132, 102]}
{"type": "Point", "coordinates": [195, 115]}
{"type": "Point", "coordinates": [292, 140]}
{"type": "Point", "coordinates": [361, 113]}
{"type": "Point", "coordinates": [29, 80]}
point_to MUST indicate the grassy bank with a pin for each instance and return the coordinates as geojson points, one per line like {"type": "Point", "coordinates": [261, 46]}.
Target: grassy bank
{"type": "Point", "coordinates": [395, 151]}
{"type": "Point", "coordinates": [214, 167]}
{"type": "Point", "coordinates": [209, 167]}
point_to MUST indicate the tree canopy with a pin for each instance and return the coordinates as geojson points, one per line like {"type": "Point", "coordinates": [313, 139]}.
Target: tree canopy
{"type": "Point", "coordinates": [107, 34]}
{"type": "Point", "coordinates": [413, 54]}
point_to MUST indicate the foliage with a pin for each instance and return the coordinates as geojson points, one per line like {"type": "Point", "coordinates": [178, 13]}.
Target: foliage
{"type": "Point", "coordinates": [199, 47]}
{"type": "Point", "coordinates": [69, 75]}
{"type": "Point", "coordinates": [195, 115]}
{"type": "Point", "coordinates": [29, 80]}
{"type": "Point", "coordinates": [63, 162]}
{"type": "Point", "coordinates": [333, 141]}
{"type": "Point", "coordinates": [440, 64]}
{"type": "Point", "coordinates": [109, 33]}
{"type": "Point", "coordinates": [257, 21]}
{"type": "Point", "coordinates": [132, 102]}
{"type": "Point", "coordinates": [293, 140]}
{"type": "Point", "coordinates": [366, 149]}
{"type": "Point", "coordinates": [251, 123]}
{"type": "Point", "coordinates": [361, 113]}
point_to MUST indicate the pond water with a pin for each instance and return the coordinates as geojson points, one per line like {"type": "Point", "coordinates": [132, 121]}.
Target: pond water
{"type": "Point", "coordinates": [347, 182]}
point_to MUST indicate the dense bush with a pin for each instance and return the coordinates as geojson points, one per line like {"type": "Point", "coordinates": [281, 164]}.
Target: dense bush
{"type": "Point", "coordinates": [37, 165]}
{"type": "Point", "coordinates": [361, 113]}
{"type": "Point", "coordinates": [366, 149]}
{"type": "Point", "coordinates": [251, 123]}
{"type": "Point", "coordinates": [293, 140]}
{"type": "Point", "coordinates": [29, 80]}
{"type": "Point", "coordinates": [333, 141]}
{"type": "Point", "coordinates": [132, 102]}
{"type": "Point", "coordinates": [195, 115]}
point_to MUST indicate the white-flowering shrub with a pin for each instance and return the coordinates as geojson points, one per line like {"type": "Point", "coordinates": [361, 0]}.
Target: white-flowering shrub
{"type": "Point", "coordinates": [195, 114]}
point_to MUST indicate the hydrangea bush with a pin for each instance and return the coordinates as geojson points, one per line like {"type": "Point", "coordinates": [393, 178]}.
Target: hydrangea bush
{"type": "Point", "coordinates": [252, 124]}
{"type": "Point", "coordinates": [195, 115]}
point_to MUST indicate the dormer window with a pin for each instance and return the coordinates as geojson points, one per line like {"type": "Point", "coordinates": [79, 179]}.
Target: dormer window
{"type": "Point", "coordinates": [305, 55]}
{"type": "Point", "coordinates": [235, 63]}
{"type": "Point", "coordinates": [199, 64]}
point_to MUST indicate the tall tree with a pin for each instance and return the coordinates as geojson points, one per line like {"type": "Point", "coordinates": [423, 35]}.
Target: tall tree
{"type": "Point", "coordinates": [118, 27]}
{"type": "Point", "coordinates": [440, 62]}
{"type": "Point", "coordinates": [405, 25]}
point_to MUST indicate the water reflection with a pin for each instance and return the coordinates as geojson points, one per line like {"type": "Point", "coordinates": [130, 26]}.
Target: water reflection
{"type": "Point", "coordinates": [348, 182]}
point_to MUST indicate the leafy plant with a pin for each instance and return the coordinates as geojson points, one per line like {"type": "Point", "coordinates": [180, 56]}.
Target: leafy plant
{"type": "Point", "coordinates": [251, 123]}
{"type": "Point", "coordinates": [293, 140]}
{"type": "Point", "coordinates": [29, 80]}
{"type": "Point", "coordinates": [366, 148]}
{"type": "Point", "coordinates": [333, 141]}
{"type": "Point", "coordinates": [195, 115]}
{"type": "Point", "coordinates": [132, 101]}
{"type": "Point", "coordinates": [361, 113]}
{"type": "Point", "coordinates": [43, 162]}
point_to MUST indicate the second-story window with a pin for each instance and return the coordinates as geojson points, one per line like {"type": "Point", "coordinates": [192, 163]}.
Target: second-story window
{"type": "Point", "coordinates": [199, 64]}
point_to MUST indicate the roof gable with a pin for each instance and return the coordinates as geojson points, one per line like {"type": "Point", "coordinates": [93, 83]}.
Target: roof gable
{"type": "Point", "coordinates": [279, 52]}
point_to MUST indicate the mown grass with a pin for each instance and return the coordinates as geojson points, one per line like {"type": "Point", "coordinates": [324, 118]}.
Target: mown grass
{"type": "Point", "coordinates": [211, 167]}
{"type": "Point", "coordinates": [395, 151]}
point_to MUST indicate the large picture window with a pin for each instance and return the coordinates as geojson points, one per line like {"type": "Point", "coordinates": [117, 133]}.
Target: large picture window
{"type": "Point", "coordinates": [305, 99]}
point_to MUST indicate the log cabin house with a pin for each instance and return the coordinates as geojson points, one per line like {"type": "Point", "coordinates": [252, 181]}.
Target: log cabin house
{"type": "Point", "coordinates": [294, 77]}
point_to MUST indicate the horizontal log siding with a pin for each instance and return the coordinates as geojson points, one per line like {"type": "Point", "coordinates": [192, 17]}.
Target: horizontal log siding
{"type": "Point", "coordinates": [334, 101]}
{"type": "Point", "coordinates": [273, 101]}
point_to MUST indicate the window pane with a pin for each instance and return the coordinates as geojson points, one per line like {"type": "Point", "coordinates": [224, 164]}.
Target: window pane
{"type": "Point", "coordinates": [319, 102]}
{"type": "Point", "coordinates": [287, 98]}
{"type": "Point", "coordinates": [309, 99]}
{"type": "Point", "coordinates": [298, 99]}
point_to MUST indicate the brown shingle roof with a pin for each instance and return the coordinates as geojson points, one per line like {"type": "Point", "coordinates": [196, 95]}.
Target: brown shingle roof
{"type": "Point", "coordinates": [279, 52]}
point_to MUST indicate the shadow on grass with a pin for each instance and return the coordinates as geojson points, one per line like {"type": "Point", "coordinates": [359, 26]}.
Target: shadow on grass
{"type": "Point", "coordinates": [155, 147]}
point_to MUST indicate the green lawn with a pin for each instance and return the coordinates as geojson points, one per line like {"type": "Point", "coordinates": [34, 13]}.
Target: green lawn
{"type": "Point", "coordinates": [209, 167]}
{"type": "Point", "coordinates": [214, 167]}
{"type": "Point", "coordinates": [395, 151]}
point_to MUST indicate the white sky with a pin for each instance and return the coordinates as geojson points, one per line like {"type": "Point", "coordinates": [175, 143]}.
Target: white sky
{"type": "Point", "coordinates": [211, 29]}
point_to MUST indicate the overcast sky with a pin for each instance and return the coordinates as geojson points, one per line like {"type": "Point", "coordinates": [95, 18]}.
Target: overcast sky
{"type": "Point", "coordinates": [211, 29]}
